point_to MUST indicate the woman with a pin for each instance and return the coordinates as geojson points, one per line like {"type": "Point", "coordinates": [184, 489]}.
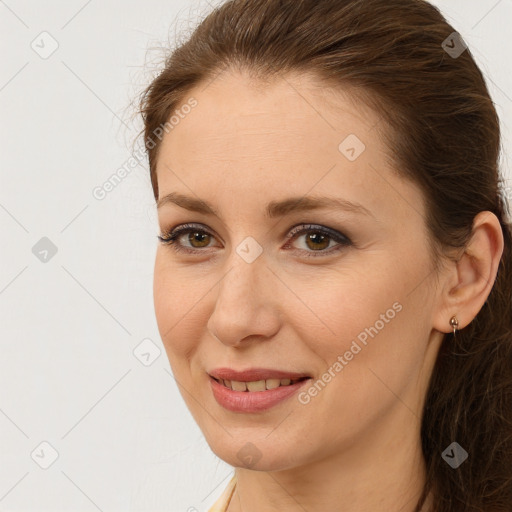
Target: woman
{"type": "Point", "coordinates": [333, 280]}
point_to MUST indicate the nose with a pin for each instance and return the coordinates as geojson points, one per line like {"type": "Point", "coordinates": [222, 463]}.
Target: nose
{"type": "Point", "coordinates": [246, 306]}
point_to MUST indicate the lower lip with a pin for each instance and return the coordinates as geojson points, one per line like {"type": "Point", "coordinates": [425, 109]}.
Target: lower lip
{"type": "Point", "coordinates": [252, 401]}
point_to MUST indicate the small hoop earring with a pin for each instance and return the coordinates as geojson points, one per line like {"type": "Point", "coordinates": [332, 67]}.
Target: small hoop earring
{"type": "Point", "coordinates": [454, 323]}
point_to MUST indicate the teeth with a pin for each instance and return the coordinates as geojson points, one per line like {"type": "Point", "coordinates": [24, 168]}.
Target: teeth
{"type": "Point", "coordinates": [272, 383]}
{"type": "Point", "coordinates": [238, 386]}
{"type": "Point", "coordinates": [258, 385]}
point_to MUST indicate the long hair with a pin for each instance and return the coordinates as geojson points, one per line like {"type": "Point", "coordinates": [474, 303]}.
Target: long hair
{"type": "Point", "coordinates": [404, 60]}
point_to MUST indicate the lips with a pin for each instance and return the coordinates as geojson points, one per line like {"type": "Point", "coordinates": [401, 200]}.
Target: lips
{"type": "Point", "coordinates": [255, 390]}
{"type": "Point", "coordinates": [255, 374]}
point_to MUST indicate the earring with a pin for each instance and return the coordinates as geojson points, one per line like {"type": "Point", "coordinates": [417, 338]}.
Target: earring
{"type": "Point", "coordinates": [454, 323]}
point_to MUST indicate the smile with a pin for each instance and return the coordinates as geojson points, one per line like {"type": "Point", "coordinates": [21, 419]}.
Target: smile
{"type": "Point", "coordinates": [257, 385]}
{"type": "Point", "coordinates": [254, 396]}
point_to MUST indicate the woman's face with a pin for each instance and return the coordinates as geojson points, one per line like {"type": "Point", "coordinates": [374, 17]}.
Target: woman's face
{"type": "Point", "coordinates": [342, 293]}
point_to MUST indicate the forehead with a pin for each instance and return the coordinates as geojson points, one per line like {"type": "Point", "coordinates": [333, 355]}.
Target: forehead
{"type": "Point", "coordinates": [288, 136]}
{"type": "Point", "coordinates": [239, 113]}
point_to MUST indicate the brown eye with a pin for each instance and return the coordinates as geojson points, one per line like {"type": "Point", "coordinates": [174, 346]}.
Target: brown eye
{"type": "Point", "coordinates": [201, 237]}
{"type": "Point", "coordinates": [197, 238]}
{"type": "Point", "coordinates": [317, 241]}
{"type": "Point", "coordinates": [318, 238]}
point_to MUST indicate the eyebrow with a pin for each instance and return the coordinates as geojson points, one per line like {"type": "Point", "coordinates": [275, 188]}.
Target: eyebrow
{"type": "Point", "coordinates": [274, 209]}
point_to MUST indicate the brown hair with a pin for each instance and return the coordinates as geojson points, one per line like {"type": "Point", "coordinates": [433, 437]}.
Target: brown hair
{"type": "Point", "coordinates": [444, 134]}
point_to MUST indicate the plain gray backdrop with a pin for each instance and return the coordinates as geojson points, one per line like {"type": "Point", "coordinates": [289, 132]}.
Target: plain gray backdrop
{"type": "Point", "coordinates": [90, 415]}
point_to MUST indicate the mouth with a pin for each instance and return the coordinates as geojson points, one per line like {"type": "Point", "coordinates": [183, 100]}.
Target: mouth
{"type": "Point", "coordinates": [256, 379]}
{"type": "Point", "coordinates": [256, 390]}
{"type": "Point", "coordinates": [257, 385]}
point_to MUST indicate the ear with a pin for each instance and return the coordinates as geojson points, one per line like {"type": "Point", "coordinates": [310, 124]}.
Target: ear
{"type": "Point", "coordinates": [468, 281]}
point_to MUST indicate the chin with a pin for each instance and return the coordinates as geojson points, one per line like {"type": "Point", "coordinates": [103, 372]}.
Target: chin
{"type": "Point", "coordinates": [257, 455]}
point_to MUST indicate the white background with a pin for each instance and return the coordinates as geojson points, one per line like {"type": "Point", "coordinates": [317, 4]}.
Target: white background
{"type": "Point", "coordinates": [68, 374]}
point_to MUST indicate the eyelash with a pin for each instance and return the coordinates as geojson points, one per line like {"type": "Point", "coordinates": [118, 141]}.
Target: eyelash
{"type": "Point", "coordinates": [171, 238]}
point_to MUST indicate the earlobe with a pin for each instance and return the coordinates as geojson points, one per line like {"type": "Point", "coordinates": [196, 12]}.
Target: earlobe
{"type": "Point", "coordinates": [472, 277]}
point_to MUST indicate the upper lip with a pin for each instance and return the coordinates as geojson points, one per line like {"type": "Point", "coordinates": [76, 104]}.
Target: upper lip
{"type": "Point", "coordinates": [254, 374]}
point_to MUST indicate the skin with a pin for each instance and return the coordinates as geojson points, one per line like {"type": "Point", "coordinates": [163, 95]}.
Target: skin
{"type": "Point", "coordinates": [356, 444]}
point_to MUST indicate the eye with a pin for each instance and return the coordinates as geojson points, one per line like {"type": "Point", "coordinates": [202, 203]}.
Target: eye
{"type": "Point", "coordinates": [317, 239]}
{"type": "Point", "coordinates": [195, 235]}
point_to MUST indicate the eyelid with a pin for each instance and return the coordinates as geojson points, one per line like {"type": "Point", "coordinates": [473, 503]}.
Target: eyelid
{"type": "Point", "coordinates": [304, 226]}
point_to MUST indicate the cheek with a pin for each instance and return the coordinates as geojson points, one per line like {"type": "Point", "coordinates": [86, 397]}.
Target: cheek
{"type": "Point", "coordinates": [174, 302]}
{"type": "Point", "coordinates": [342, 304]}
{"type": "Point", "coordinates": [162, 296]}
{"type": "Point", "coordinates": [369, 317]}
{"type": "Point", "coordinates": [382, 346]}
